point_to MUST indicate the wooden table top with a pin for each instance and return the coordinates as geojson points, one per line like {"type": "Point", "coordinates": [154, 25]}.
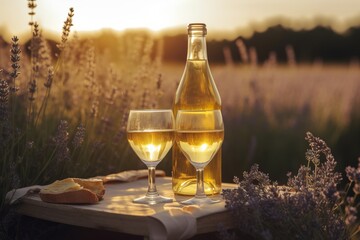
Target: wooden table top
{"type": "Point", "coordinates": [117, 212]}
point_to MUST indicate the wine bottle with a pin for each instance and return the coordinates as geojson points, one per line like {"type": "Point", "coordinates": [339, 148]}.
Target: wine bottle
{"type": "Point", "coordinates": [196, 91]}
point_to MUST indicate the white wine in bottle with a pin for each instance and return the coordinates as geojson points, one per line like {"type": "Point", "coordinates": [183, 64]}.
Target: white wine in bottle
{"type": "Point", "coordinates": [196, 91]}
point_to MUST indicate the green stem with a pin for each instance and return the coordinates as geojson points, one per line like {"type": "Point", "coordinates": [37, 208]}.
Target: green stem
{"type": "Point", "coordinates": [44, 167]}
{"type": "Point", "coordinates": [307, 173]}
{"type": "Point", "coordinates": [355, 233]}
{"type": "Point", "coordinates": [44, 103]}
{"type": "Point", "coordinates": [43, 106]}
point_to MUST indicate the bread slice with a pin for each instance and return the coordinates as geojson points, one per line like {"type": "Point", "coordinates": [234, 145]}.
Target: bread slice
{"type": "Point", "coordinates": [73, 191]}
{"type": "Point", "coordinates": [94, 185]}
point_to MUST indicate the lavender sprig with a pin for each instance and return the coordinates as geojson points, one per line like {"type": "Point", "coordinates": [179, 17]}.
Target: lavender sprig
{"type": "Point", "coordinates": [306, 208]}
{"type": "Point", "coordinates": [352, 199]}
{"type": "Point", "coordinates": [79, 136]}
{"type": "Point", "coordinates": [15, 59]}
{"type": "Point", "coordinates": [66, 29]}
{"type": "Point", "coordinates": [62, 152]}
{"type": "Point", "coordinates": [4, 100]}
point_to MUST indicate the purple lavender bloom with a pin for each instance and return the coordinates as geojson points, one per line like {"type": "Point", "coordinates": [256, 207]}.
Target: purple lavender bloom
{"type": "Point", "coordinates": [306, 208]}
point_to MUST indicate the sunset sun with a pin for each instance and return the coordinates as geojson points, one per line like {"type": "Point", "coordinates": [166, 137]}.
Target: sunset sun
{"type": "Point", "coordinates": [159, 15]}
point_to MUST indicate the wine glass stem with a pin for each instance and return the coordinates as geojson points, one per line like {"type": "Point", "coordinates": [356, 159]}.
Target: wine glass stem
{"type": "Point", "coordinates": [200, 193]}
{"type": "Point", "coordinates": [152, 192]}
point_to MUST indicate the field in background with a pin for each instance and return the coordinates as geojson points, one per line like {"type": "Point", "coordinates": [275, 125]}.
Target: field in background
{"type": "Point", "coordinates": [268, 109]}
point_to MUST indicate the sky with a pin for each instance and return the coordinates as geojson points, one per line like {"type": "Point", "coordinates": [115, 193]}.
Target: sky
{"type": "Point", "coordinates": [221, 16]}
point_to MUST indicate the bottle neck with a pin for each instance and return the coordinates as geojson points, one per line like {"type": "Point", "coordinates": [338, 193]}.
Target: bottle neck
{"type": "Point", "coordinates": [196, 47]}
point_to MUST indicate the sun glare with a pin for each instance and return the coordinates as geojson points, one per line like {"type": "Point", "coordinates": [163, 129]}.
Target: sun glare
{"type": "Point", "coordinates": [161, 15]}
{"type": "Point", "coordinates": [118, 15]}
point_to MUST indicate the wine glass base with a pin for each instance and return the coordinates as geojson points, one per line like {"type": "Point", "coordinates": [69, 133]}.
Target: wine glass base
{"type": "Point", "coordinates": [200, 201]}
{"type": "Point", "coordinates": [152, 200]}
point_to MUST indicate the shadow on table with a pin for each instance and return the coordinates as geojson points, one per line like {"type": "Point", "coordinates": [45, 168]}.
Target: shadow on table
{"type": "Point", "coordinates": [37, 229]}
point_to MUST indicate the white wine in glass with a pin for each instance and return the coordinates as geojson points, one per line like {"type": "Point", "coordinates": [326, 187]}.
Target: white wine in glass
{"type": "Point", "coordinates": [151, 135]}
{"type": "Point", "coordinates": [199, 135]}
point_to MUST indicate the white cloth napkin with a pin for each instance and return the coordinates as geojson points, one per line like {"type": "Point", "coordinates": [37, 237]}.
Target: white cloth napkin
{"type": "Point", "coordinates": [180, 221]}
{"type": "Point", "coordinates": [177, 223]}
{"type": "Point", "coordinates": [15, 195]}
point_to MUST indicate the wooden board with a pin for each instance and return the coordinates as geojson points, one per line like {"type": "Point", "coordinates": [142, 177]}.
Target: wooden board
{"type": "Point", "coordinates": [117, 212]}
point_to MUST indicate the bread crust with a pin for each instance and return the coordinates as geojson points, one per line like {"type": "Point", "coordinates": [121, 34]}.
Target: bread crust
{"type": "Point", "coordinates": [94, 185]}
{"type": "Point", "coordinates": [82, 196]}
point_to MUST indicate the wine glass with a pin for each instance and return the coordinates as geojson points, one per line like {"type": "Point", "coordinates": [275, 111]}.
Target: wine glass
{"type": "Point", "coordinates": [199, 135]}
{"type": "Point", "coordinates": [151, 135]}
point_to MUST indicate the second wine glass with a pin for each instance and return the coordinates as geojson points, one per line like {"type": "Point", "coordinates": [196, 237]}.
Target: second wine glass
{"type": "Point", "coordinates": [199, 135]}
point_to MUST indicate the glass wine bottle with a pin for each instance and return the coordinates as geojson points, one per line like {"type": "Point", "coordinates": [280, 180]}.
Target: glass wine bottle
{"type": "Point", "coordinates": [196, 91]}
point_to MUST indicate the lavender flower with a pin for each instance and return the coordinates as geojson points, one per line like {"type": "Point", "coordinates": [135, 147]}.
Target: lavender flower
{"type": "Point", "coordinates": [15, 59]}
{"type": "Point", "coordinates": [313, 157]}
{"type": "Point", "coordinates": [66, 29]}
{"type": "Point", "coordinates": [94, 109]}
{"type": "Point", "coordinates": [144, 97]}
{"type": "Point", "coordinates": [318, 145]}
{"type": "Point", "coordinates": [5, 126]}
{"type": "Point", "coordinates": [43, 54]}
{"type": "Point", "coordinates": [36, 31]}
{"type": "Point", "coordinates": [34, 47]}
{"type": "Point", "coordinates": [159, 82]}
{"type": "Point", "coordinates": [125, 110]}
{"type": "Point", "coordinates": [351, 202]}
{"type": "Point", "coordinates": [110, 97]}
{"type": "Point", "coordinates": [61, 139]}
{"type": "Point", "coordinates": [4, 100]}
{"type": "Point", "coordinates": [350, 215]}
{"type": "Point", "coordinates": [49, 78]}
{"type": "Point", "coordinates": [90, 68]}
{"type": "Point", "coordinates": [32, 5]}
{"type": "Point", "coordinates": [79, 136]}
{"type": "Point", "coordinates": [307, 208]}
{"type": "Point", "coordinates": [32, 89]}
{"type": "Point", "coordinates": [353, 174]}
{"type": "Point", "coordinates": [106, 124]}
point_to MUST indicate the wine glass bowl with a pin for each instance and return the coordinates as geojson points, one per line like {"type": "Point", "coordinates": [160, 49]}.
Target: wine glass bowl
{"type": "Point", "coordinates": [151, 135]}
{"type": "Point", "coordinates": [199, 135]}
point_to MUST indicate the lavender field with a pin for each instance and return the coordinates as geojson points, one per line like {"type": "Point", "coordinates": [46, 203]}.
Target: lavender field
{"type": "Point", "coordinates": [71, 110]}
{"type": "Point", "coordinates": [64, 107]}
{"type": "Point", "coordinates": [269, 108]}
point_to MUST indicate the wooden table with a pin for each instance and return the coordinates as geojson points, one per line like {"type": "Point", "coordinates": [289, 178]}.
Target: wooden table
{"type": "Point", "coordinates": [117, 212]}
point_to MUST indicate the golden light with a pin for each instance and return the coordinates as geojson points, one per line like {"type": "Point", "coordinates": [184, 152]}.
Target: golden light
{"type": "Point", "coordinates": [241, 16]}
{"type": "Point", "coordinates": [203, 147]}
{"type": "Point", "coordinates": [118, 15]}
{"type": "Point", "coordinates": [153, 151]}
